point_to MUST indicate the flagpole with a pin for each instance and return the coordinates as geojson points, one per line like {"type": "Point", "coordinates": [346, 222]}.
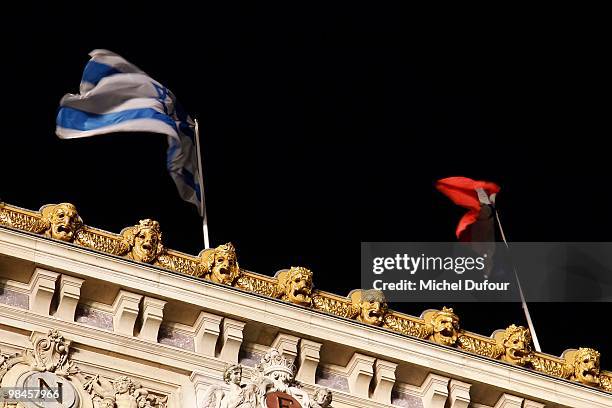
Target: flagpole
{"type": "Point", "coordinates": [534, 336]}
{"type": "Point", "coordinates": [201, 181]}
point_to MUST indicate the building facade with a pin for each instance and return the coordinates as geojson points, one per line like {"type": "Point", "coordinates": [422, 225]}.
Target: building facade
{"type": "Point", "coordinates": [118, 320]}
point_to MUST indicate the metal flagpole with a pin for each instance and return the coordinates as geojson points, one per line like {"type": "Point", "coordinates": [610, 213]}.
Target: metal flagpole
{"type": "Point", "coordinates": [534, 337]}
{"type": "Point", "coordinates": [201, 181]}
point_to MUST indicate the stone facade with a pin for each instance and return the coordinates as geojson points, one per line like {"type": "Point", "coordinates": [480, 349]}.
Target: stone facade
{"type": "Point", "coordinates": [117, 329]}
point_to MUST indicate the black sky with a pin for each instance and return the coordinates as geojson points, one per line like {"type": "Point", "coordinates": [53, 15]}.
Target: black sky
{"type": "Point", "coordinates": [324, 128]}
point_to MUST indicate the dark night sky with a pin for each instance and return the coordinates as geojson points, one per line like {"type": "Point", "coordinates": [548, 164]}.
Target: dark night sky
{"type": "Point", "coordinates": [322, 129]}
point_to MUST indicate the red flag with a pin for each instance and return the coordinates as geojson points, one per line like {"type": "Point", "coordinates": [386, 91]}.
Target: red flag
{"type": "Point", "coordinates": [462, 191]}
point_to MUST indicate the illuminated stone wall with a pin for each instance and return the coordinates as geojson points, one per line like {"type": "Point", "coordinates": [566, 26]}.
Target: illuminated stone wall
{"type": "Point", "coordinates": [142, 324]}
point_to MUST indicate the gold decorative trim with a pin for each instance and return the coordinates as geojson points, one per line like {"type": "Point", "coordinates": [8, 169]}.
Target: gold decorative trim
{"type": "Point", "coordinates": [179, 262]}
{"type": "Point", "coordinates": [101, 241]}
{"type": "Point", "coordinates": [257, 284]}
{"type": "Point", "coordinates": [551, 365]}
{"type": "Point", "coordinates": [332, 304]}
{"type": "Point", "coordinates": [147, 247]}
{"type": "Point", "coordinates": [483, 346]}
{"type": "Point", "coordinates": [21, 219]}
{"type": "Point", "coordinates": [407, 325]}
{"type": "Point", "coordinates": [606, 381]}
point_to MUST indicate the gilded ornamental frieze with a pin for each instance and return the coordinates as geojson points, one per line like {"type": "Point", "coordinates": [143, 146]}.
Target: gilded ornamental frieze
{"type": "Point", "coordinates": [142, 242]}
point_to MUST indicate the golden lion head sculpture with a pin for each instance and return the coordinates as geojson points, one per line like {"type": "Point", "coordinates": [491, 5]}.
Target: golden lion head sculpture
{"type": "Point", "coordinates": [517, 345]}
{"type": "Point", "coordinates": [444, 326]}
{"type": "Point", "coordinates": [586, 366]}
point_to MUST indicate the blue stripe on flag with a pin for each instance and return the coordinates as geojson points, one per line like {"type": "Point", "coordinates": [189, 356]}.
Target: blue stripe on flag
{"type": "Point", "coordinates": [95, 71]}
{"type": "Point", "coordinates": [187, 130]}
{"type": "Point", "coordinates": [189, 179]}
{"type": "Point", "coordinates": [173, 147]}
{"type": "Point", "coordinates": [70, 118]}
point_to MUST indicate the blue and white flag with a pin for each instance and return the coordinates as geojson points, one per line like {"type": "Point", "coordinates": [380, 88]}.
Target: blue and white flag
{"type": "Point", "coordinates": [116, 96]}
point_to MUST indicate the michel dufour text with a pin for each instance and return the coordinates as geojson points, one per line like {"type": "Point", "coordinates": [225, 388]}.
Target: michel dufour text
{"type": "Point", "coordinates": [414, 264]}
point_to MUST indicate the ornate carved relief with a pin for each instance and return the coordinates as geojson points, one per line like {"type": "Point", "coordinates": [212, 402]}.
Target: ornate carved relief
{"type": "Point", "coordinates": [4, 216]}
{"type": "Point", "coordinates": [370, 306]}
{"type": "Point", "coordinates": [122, 392]}
{"type": "Point", "coordinates": [49, 360]}
{"type": "Point", "coordinates": [444, 325]}
{"type": "Point", "coordinates": [322, 398]}
{"type": "Point", "coordinates": [58, 221]}
{"type": "Point", "coordinates": [102, 241]}
{"type": "Point", "coordinates": [405, 325]}
{"type": "Point", "coordinates": [585, 363]}
{"type": "Point", "coordinates": [238, 395]}
{"type": "Point", "coordinates": [24, 220]}
{"type": "Point", "coordinates": [144, 240]}
{"type": "Point", "coordinates": [257, 284]}
{"type": "Point", "coordinates": [61, 221]}
{"type": "Point", "coordinates": [7, 361]}
{"type": "Point", "coordinates": [51, 354]}
{"type": "Point", "coordinates": [333, 305]}
{"type": "Point", "coordinates": [550, 365]}
{"type": "Point", "coordinates": [481, 346]}
{"type": "Point", "coordinates": [179, 263]}
{"type": "Point", "coordinates": [273, 374]}
{"type": "Point", "coordinates": [516, 345]}
{"type": "Point", "coordinates": [606, 382]}
{"type": "Point", "coordinates": [295, 285]}
{"type": "Point", "coordinates": [219, 264]}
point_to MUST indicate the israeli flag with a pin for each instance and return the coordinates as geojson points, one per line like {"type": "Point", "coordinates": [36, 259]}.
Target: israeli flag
{"type": "Point", "coordinates": [116, 96]}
